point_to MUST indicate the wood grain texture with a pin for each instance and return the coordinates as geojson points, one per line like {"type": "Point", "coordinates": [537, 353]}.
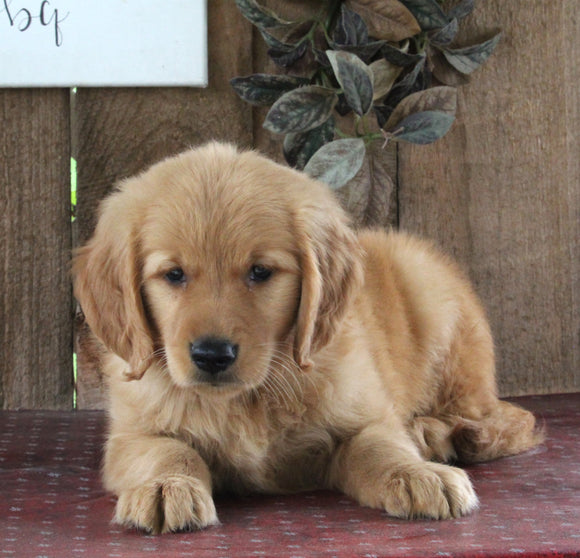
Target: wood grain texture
{"type": "Point", "coordinates": [35, 241]}
{"type": "Point", "coordinates": [501, 191]}
{"type": "Point", "coordinates": [119, 132]}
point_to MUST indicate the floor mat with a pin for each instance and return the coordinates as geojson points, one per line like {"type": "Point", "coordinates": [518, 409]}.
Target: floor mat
{"type": "Point", "coordinates": [52, 503]}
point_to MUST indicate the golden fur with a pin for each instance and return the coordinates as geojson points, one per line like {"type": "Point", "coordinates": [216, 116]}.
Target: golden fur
{"type": "Point", "coordinates": [364, 361]}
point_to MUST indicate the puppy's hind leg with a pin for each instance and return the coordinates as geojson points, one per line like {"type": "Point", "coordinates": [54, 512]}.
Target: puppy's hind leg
{"type": "Point", "coordinates": [481, 426]}
{"type": "Point", "coordinates": [433, 438]}
{"type": "Point", "coordinates": [506, 430]}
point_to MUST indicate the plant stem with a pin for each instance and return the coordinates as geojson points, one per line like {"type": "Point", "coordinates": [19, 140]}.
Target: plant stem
{"type": "Point", "coordinates": [333, 10]}
{"type": "Point", "coordinates": [420, 41]}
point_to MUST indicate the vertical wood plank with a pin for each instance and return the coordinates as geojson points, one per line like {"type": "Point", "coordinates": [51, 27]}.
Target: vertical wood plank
{"type": "Point", "coordinates": [118, 132]}
{"type": "Point", "coordinates": [500, 191]}
{"type": "Point", "coordinates": [570, 42]}
{"type": "Point", "coordinates": [35, 241]}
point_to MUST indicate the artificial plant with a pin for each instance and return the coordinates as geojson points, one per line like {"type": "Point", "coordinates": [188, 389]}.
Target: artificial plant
{"type": "Point", "coordinates": [358, 74]}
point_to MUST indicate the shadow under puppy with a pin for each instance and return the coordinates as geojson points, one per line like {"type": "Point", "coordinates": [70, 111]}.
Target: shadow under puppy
{"type": "Point", "coordinates": [277, 350]}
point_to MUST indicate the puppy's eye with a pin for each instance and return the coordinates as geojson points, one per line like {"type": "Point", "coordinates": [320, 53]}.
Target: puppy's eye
{"type": "Point", "coordinates": [175, 276]}
{"type": "Point", "coordinates": [259, 274]}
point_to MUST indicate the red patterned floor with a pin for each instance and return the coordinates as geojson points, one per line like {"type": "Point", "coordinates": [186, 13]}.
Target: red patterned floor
{"type": "Point", "coordinates": [52, 504]}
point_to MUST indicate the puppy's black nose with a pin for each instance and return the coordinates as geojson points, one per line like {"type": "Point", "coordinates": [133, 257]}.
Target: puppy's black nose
{"type": "Point", "coordinates": [213, 355]}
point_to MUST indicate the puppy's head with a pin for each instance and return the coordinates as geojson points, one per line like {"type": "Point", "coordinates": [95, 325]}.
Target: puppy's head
{"type": "Point", "coordinates": [219, 264]}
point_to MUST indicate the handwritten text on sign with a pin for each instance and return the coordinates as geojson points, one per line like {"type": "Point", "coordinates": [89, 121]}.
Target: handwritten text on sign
{"type": "Point", "coordinates": [44, 14]}
{"type": "Point", "coordinates": [65, 43]}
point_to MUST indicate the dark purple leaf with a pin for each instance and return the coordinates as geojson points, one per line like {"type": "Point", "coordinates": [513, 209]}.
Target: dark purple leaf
{"type": "Point", "coordinates": [299, 148]}
{"type": "Point", "coordinates": [355, 78]}
{"type": "Point", "coordinates": [428, 13]}
{"type": "Point", "coordinates": [265, 89]}
{"type": "Point", "coordinates": [301, 110]}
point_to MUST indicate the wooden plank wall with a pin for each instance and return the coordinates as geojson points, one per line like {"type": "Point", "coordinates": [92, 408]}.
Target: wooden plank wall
{"type": "Point", "coordinates": [35, 243]}
{"type": "Point", "coordinates": [500, 192]}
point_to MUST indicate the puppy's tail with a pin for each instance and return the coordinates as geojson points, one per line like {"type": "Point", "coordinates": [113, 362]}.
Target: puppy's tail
{"type": "Point", "coordinates": [507, 430]}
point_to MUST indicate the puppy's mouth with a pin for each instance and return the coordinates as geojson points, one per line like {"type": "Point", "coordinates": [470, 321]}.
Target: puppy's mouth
{"type": "Point", "coordinates": [226, 380]}
{"type": "Point", "coordinates": [215, 366]}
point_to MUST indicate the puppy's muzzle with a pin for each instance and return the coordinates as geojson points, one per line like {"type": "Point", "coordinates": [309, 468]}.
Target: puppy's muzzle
{"type": "Point", "coordinates": [213, 355]}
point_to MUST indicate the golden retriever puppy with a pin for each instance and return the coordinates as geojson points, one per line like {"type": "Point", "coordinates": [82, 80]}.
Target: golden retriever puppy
{"type": "Point", "coordinates": [257, 343]}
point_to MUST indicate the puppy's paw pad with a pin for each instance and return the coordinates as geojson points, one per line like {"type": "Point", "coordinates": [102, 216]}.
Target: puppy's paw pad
{"type": "Point", "coordinates": [458, 489]}
{"type": "Point", "coordinates": [187, 504]}
{"type": "Point", "coordinates": [173, 503]}
{"type": "Point", "coordinates": [433, 491]}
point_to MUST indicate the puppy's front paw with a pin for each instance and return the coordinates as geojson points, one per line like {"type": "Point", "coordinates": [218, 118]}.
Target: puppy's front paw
{"type": "Point", "coordinates": [172, 503]}
{"type": "Point", "coordinates": [431, 490]}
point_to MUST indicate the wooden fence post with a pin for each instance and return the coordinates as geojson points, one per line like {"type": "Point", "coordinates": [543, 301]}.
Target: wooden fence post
{"type": "Point", "coordinates": [35, 241]}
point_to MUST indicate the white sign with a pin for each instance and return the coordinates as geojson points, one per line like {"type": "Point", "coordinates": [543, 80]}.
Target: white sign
{"type": "Point", "coordinates": [68, 43]}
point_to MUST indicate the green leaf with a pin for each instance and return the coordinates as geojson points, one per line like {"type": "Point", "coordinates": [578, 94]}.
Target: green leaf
{"type": "Point", "coordinates": [299, 148]}
{"type": "Point", "coordinates": [275, 43]}
{"type": "Point", "coordinates": [464, 8]}
{"type": "Point", "coordinates": [364, 52]}
{"type": "Point", "coordinates": [337, 162]}
{"type": "Point", "coordinates": [284, 54]}
{"type": "Point", "coordinates": [468, 59]}
{"type": "Point", "coordinates": [355, 78]}
{"type": "Point", "coordinates": [409, 83]}
{"type": "Point", "coordinates": [440, 99]}
{"type": "Point", "coordinates": [446, 34]}
{"type": "Point", "coordinates": [428, 13]}
{"type": "Point", "coordinates": [384, 76]}
{"type": "Point", "coordinates": [370, 197]}
{"type": "Point", "coordinates": [261, 17]}
{"type": "Point", "coordinates": [301, 110]}
{"type": "Point", "coordinates": [350, 29]}
{"type": "Point", "coordinates": [423, 127]}
{"type": "Point", "coordinates": [386, 19]}
{"type": "Point", "coordinates": [265, 89]}
{"type": "Point", "coordinates": [400, 57]}
{"type": "Point", "coordinates": [444, 72]}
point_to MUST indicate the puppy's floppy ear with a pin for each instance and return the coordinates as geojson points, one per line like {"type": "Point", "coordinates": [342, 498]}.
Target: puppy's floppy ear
{"type": "Point", "coordinates": [331, 273]}
{"type": "Point", "coordinates": [107, 281]}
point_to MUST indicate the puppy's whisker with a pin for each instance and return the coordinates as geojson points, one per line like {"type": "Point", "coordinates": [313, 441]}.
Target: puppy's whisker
{"type": "Point", "coordinates": [281, 380]}
{"type": "Point", "coordinates": [286, 383]}
{"type": "Point", "coordinates": [281, 393]}
{"type": "Point", "coordinates": [272, 388]}
{"type": "Point", "coordinates": [245, 400]}
{"type": "Point", "coordinates": [294, 372]}
{"type": "Point", "coordinates": [284, 380]}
